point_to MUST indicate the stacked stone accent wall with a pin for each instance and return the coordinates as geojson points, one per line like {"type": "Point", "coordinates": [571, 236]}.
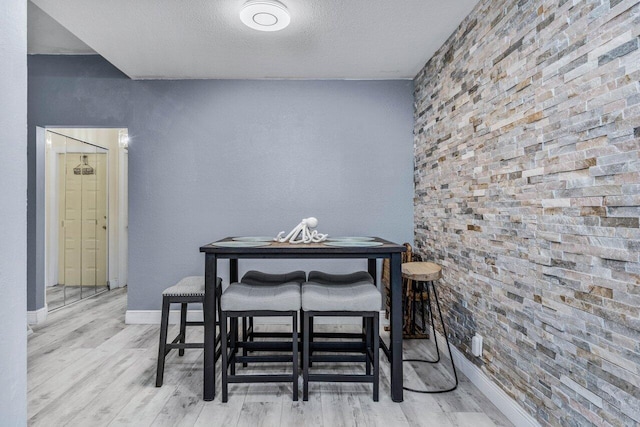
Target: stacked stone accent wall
{"type": "Point", "coordinates": [527, 192]}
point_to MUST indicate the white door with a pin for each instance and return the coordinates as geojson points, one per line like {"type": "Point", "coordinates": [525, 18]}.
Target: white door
{"type": "Point", "coordinates": [83, 213]}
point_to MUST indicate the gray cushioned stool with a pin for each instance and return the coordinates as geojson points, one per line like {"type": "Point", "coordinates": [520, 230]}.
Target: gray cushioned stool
{"type": "Point", "coordinates": [357, 299]}
{"type": "Point", "coordinates": [243, 300]}
{"type": "Point", "coordinates": [323, 278]}
{"type": "Point", "coordinates": [254, 277]}
{"type": "Point", "coordinates": [188, 290]}
{"type": "Point", "coordinates": [259, 278]}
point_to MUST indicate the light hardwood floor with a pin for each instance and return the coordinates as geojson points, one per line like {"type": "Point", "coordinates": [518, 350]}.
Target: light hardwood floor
{"type": "Point", "coordinates": [59, 295]}
{"type": "Point", "coordinates": [87, 368]}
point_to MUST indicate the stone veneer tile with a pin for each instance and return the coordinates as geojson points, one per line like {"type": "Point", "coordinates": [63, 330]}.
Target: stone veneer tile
{"type": "Point", "coordinates": [527, 192]}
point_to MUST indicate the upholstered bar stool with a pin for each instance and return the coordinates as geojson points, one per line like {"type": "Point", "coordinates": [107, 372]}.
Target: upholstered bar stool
{"type": "Point", "coordinates": [243, 300]}
{"type": "Point", "coordinates": [254, 277]}
{"type": "Point", "coordinates": [259, 278]}
{"type": "Point", "coordinates": [186, 291]}
{"type": "Point", "coordinates": [425, 275]}
{"type": "Point", "coordinates": [359, 299]}
{"type": "Point", "coordinates": [338, 280]}
{"type": "Point", "coordinates": [331, 279]}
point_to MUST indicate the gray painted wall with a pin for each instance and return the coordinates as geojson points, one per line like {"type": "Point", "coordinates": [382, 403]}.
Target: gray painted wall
{"type": "Point", "coordinates": [13, 211]}
{"type": "Point", "coordinates": [213, 158]}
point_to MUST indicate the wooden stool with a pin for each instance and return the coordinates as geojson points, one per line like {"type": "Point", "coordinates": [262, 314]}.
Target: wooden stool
{"type": "Point", "coordinates": [409, 298]}
{"type": "Point", "coordinates": [416, 274]}
{"type": "Point", "coordinates": [424, 274]}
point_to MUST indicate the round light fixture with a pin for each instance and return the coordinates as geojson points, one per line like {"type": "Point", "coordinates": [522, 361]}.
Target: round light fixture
{"type": "Point", "coordinates": [265, 15]}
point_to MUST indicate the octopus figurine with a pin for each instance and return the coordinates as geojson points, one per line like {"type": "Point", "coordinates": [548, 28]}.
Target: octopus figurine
{"type": "Point", "coordinates": [303, 233]}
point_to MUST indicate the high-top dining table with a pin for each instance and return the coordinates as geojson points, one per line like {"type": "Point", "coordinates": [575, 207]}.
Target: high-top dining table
{"type": "Point", "coordinates": [384, 249]}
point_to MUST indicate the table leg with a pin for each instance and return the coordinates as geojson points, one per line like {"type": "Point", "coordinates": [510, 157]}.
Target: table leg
{"type": "Point", "coordinates": [396, 327]}
{"type": "Point", "coordinates": [233, 270]}
{"type": "Point", "coordinates": [233, 278]}
{"type": "Point", "coordinates": [209, 312]}
{"type": "Point", "coordinates": [372, 266]}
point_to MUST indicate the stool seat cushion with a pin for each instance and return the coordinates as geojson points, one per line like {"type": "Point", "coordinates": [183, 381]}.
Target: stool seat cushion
{"type": "Point", "coordinates": [253, 277]}
{"type": "Point", "coordinates": [191, 286]}
{"type": "Point", "coordinates": [360, 296]}
{"type": "Point", "coordinates": [243, 297]}
{"type": "Point", "coordinates": [339, 279]}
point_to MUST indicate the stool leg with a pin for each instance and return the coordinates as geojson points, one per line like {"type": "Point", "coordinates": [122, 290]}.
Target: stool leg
{"type": "Point", "coordinates": [218, 310]}
{"type": "Point", "coordinates": [310, 330]}
{"type": "Point", "coordinates": [225, 355]}
{"type": "Point", "coordinates": [407, 294]}
{"type": "Point", "coordinates": [376, 356]}
{"type": "Point", "coordinates": [294, 351]}
{"type": "Point", "coordinates": [218, 338]}
{"type": "Point", "coordinates": [422, 312]}
{"type": "Point", "coordinates": [183, 326]}
{"type": "Point", "coordinates": [433, 324]}
{"type": "Point", "coordinates": [444, 331]}
{"type": "Point", "coordinates": [306, 335]}
{"type": "Point", "coordinates": [414, 315]}
{"type": "Point", "coordinates": [233, 347]}
{"type": "Point", "coordinates": [164, 324]}
{"type": "Point", "coordinates": [368, 343]}
{"type": "Point", "coordinates": [244, 338]}
{"type": "Point", "coordinates": [244, 328]}
{"type": "Point", "coordinates": [301, 316]}
{"type": "Point", "coordinates": [235, 332]}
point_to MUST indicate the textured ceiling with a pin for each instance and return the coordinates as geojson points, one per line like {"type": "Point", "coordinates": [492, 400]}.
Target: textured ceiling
{"type": "Point", "coordinates": [199, 39]}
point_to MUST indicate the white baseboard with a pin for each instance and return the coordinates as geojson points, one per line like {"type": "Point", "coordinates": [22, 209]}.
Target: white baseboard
{"type": "Point", "coordinates": [36, 317]}
{"type": "Point", "coordinates": [152, 317]}
{"type": "Point", "coordinates": [505, 403]}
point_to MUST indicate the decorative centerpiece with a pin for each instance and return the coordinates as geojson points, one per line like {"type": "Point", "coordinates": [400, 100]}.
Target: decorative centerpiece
{"type": "Point", "coordinates": [303, 233]}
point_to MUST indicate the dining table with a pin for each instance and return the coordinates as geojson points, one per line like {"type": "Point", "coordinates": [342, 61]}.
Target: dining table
{"type": "Point", "coordinates": [377, 248]}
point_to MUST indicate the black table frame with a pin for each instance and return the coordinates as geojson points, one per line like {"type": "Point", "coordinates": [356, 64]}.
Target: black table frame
{"type": "Point", "coordinates": [304, 251]}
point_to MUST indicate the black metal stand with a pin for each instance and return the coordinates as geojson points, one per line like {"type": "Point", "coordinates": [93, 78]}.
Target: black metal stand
{"type": "Point", "coordinates": [427, 286]}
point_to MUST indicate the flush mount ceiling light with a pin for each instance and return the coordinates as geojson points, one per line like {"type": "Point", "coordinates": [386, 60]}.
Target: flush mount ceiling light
{"type": "Point", "coordinates": [265, 15]}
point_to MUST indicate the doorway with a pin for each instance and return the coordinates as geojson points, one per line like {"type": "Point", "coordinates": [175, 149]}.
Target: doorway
{"type": "Point", "coordinates": [85, 216]}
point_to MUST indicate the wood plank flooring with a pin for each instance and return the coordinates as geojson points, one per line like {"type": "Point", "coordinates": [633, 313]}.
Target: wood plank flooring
{"type": "Point", "coordinates": [60, 295]}
{"type": "Point", "coordinates": [87, 368]}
